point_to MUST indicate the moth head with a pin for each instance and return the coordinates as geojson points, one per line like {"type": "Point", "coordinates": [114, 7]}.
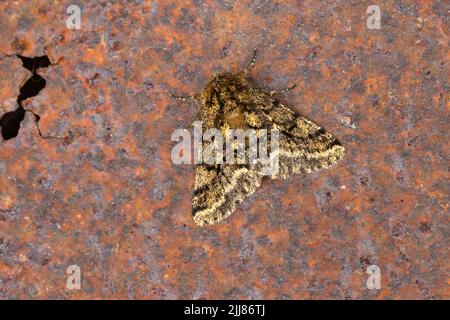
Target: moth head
{"type": "Point", "coordinates": [226, 84]}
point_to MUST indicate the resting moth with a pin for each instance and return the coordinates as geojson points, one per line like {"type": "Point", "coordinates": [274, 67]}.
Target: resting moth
{"type": "Point", "coordinates": [229, 100]}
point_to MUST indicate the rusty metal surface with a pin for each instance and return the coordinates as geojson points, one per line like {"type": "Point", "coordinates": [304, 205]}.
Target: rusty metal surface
{"type": "Point", "coordinates": [110, 200]}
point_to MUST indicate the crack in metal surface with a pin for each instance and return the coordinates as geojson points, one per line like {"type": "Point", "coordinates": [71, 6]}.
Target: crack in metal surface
{"type": "Point", "coordinates": [11, 121]}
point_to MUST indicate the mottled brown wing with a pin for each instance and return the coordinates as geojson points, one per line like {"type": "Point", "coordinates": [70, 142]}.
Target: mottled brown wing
{"type": "Point", "coordinates": [304, 146]}
{"type": "Point", "coordinates": [218, 189]}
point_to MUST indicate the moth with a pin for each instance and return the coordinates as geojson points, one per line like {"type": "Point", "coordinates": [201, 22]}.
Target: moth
{"type": "Point", "coordinates": [230, 100]}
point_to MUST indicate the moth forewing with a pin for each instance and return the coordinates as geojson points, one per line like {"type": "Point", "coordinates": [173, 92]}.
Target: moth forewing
{"type": "Point", "coordinates": [235, 146]}
{"type": "Point", "coordinates": [213, 151]}
{"type": "Point", "coordinates": [269, 158]}
{"type": "Point", "coordinates": [252, 150]}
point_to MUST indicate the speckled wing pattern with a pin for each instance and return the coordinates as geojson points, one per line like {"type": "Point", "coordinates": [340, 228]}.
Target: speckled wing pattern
{"type": "Point", "coordinates": [219, 189]}
{"type": "Point", "coordinates": [304, 147]}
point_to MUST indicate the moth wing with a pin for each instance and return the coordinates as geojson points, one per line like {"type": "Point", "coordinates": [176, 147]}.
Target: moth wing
{"type": "Point", "coordinates": [219, 189]}
{"type": "Point", "coordinates": [304, 146]}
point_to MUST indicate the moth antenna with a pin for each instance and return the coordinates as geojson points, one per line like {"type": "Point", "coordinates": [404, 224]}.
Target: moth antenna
{"type": "Point", "coordinates": [283, 91]}
{"type": "Point", "coordinates": [193, 98]}
{"type": "Point", "coordinates": [184, 98]}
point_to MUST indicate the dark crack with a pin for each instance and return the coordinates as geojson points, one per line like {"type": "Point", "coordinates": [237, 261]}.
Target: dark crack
{"type": "Point", "coordinates": [10, 122]}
